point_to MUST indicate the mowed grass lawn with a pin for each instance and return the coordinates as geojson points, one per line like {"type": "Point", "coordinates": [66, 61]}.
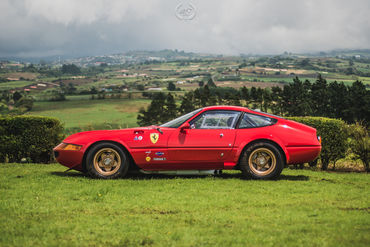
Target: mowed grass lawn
{"type": "Point", "coordinates": [42, 206]}
{"type": "Point", "coordinates": [84, 113]}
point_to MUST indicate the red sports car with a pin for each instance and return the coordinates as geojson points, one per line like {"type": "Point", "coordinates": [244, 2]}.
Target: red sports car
{"type": "Point", "coordinates": [206, 140]}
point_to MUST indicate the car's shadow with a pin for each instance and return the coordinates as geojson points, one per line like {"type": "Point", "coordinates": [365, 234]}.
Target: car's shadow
{"type": "Point", "coordinates": [140, 176]}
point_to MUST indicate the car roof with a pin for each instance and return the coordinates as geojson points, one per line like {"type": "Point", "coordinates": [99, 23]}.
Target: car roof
{"type": "Point", "coordinates": [238, 108]}
{"type": "Point", "coordinates": [226, 107]}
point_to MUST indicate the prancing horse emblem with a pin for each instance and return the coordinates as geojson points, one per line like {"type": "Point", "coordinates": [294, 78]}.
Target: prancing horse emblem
{"type": "Point", "coordinates": [154, 137]}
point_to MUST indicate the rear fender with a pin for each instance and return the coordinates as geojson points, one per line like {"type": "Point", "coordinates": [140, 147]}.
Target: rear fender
{"type": "Point", "coordinates": [274, 141]}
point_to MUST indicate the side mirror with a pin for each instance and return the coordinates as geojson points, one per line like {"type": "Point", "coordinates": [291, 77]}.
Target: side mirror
{"type": "Point", "coordinates": [184, 127]}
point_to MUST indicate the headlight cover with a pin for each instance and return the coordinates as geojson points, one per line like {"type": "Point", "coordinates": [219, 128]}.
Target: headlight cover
{"type": "Point", "coordinates": [70, 147]}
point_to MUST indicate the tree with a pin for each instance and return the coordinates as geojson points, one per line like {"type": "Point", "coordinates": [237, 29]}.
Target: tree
{"type": "Point", "coordinates": [339, 101]}
{"type": "Point", "coordinates": [205, 96]}
{"type": "Point", "coordinates": [201, 83]}
{"type": "Point", "coordinates": [155, 111]}
{"type": "Point", "coordinates": [140, 87]}
{"type": "Point", "coordinates": [187, 104]}
{"type": "Point", "coordinates": [267, 99]}
{"type": "Point", "coordinates": [211, 83]}
{"type": "Point", "coordinates": [71, 89]}
{"type": "Point", "coordinates": [360, 102]}
{"type": "Point", "coordinates": [253, 94]}
{"type": "Point", "coordinates": [295, 98]}
{"type": "Point", "coordinates": [93, 90]}
{"type": "Point", "coordinates": [16, 96]}
{"type": "Point", "coordinates": [171, 86]}
{"type": "Point", "coordinates": [259, 99]}
{"type": "Point", "coordinates": [320, 97]}
{"type": "Point", "coordinates": [245, 95]}
{"type": "Point", "coordinates": [70, 69]}
{"type": "Point", "coordinates": [197, 97]}
{"type": "Point", "coordinates": [276, 98]}
{"type": "Point", "coordinates": [170, 108]}
{"type": "Point", "coordinates": [25, 103]}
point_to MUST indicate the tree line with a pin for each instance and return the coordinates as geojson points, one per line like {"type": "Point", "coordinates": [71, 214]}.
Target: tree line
{"type": "Point", "coordinates": [298, 98]}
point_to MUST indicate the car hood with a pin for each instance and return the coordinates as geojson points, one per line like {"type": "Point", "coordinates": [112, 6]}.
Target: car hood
{"type": "Point", "coordinates": [86, 137]}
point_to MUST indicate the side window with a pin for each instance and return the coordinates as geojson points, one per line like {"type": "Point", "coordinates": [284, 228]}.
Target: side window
{"type": "Point", "coordinates": [253, 121]}
{"type": "Point", "coordinates": [216, 120]}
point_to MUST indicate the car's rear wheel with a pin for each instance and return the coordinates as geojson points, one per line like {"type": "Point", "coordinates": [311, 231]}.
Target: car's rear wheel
{"type": "Point", "coordinates": [262, 161]}
{"type": "Point", "coordinates": [106, 160]}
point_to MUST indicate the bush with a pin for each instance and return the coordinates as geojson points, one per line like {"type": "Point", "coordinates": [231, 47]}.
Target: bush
{"type": "Point", "coordinates": [29, 137]}
{"type": "Point", "coordinates": [360, 143]}
{"type": "Point", "coordinates": [334, 134]}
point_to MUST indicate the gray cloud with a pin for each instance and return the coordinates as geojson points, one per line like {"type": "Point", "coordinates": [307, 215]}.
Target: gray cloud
{"type": "Point", "coordinates": [91, 27]}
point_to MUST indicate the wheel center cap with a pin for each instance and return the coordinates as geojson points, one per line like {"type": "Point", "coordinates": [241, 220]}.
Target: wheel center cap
{"type": "Point", "coordinates": [107, 161]}
{"type": "Point", "coordinates": [261, 161]}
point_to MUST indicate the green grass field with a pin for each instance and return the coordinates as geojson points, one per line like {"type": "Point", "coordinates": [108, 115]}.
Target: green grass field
{"type": "Point", "coordinates": [92, 113]}
{"type": "Point", "coordinates": [40, 205]}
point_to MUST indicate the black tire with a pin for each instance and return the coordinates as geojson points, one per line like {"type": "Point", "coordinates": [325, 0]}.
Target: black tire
{"type": "Point", "coordinates": [106, 160]}
{"type": "Point", "coordinates": [268, 156]}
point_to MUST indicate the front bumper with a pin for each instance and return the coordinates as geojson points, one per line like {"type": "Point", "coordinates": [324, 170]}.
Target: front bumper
{"type": "Point", "coordinates": [69, 158]}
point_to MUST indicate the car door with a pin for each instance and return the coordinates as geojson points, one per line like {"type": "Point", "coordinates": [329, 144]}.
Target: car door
{"type": "Point", "coordinates": [148, 146]}
{"type": "Point", "coordinates": [207, 143]}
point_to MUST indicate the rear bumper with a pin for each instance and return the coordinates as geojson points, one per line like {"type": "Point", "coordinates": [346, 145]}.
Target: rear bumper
{"type": "Point", "coordinates": [68, 158]}
{"type": "Point", "coordinates": [303, 154]}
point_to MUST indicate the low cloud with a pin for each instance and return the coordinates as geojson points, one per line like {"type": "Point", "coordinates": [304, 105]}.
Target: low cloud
{"type": "Point", "coordinates": [93, 27]}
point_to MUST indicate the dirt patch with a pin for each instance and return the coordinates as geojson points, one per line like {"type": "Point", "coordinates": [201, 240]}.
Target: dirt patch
{"type": "Point", "coordinates": [24, 75]}
{"type": "Point", "coordinates": [262, 69]}
{"type": "Point", "coordinates": [154, 211]}
{"type": "Point", "coordinates": [356, 209]}
{"type": "Point", "coordinates": [77, 82]}
{"type": "Point", "coordinates": [248, 84]}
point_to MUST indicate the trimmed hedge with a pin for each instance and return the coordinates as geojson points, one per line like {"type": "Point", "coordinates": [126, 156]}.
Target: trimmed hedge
{"type": "Point", "coordinates": [30, 137]}
{"type": "Point", "coordinates": [334, 134]}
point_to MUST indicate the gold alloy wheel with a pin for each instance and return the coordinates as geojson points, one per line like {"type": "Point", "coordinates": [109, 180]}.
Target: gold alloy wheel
{"type": "Point", "coordinates": [107, 161]}
{"type": "Point", "coordinates": [262, 161]}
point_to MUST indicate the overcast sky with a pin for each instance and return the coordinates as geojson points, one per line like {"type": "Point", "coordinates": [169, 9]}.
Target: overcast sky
{"type": "Point", "coordinates": [96, 27]}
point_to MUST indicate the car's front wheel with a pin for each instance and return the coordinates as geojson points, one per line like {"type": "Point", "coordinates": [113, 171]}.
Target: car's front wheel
{"type": "Point", "coordinates": [262, 161]}
{"type": "Point", "coordinates": [106, 160]}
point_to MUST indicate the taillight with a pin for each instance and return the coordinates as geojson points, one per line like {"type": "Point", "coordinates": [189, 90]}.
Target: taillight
{"type": "Point", "coordinates": [319, 139]}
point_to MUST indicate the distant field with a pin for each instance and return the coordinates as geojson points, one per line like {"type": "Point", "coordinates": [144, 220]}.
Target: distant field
{"type": "Point", "coordinates": [42, 206]}
{"type": "Point", "coordinates": [14, 84]}
{"type": "Point", "coordinates": [94, 113]}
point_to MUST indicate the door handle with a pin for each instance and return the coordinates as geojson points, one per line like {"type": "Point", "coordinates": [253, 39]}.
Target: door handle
{"type": "Point", "coordinates": [221, 135]}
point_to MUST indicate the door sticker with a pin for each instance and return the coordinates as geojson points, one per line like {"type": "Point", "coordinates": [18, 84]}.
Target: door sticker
{"type": "Point", "coordinates": [138, 138]}
{"type": "Point", "coordinates": [154, 137]}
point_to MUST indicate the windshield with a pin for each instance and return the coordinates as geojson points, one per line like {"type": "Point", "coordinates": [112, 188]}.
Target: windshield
{"type": "Point", "coordinates": [180, 120]}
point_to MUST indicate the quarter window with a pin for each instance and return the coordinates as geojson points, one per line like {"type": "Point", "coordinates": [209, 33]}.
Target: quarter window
{"type": "Point", "coordinates": [253, 121]}
{"type": "Point", "coordinates": [216, 120]}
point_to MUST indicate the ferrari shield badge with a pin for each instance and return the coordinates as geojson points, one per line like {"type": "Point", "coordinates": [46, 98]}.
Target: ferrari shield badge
{"type": "Point", "coordinates": [154, 137]}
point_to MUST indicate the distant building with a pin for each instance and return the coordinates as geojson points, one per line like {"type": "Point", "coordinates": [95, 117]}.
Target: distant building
{"type": "Point", "coordinates": [155, 89]}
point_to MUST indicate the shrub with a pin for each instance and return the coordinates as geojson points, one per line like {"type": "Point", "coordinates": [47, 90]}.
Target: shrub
{"type": "Point", "coordinates": [334, 134]}
{"type": "Point", "coordinates": [360, 143]}
{"type": "Point", "coordinates": [30, 137]}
